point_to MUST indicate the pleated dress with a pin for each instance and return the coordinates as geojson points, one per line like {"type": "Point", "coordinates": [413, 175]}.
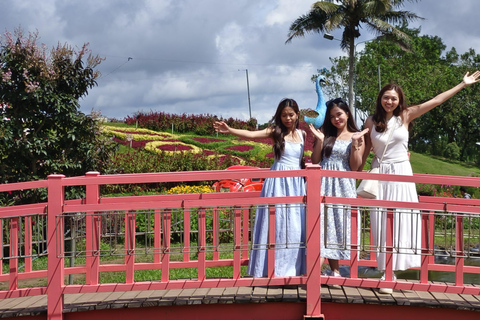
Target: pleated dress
{"type": "Point", "coordinates": [289, 219]}
{"type": "Point", "coordinates": [406, 222]}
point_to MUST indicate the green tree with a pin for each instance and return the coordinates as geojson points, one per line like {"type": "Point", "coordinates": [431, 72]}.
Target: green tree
{"type": "Point", "coordinates": [423, 72]}
{"type": "Point", "coordinates": [42, 130]}
{"type": "Point", "coordinates": [349, 15]}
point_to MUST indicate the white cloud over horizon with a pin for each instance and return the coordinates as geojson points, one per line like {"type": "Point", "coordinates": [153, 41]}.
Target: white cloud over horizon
{"type": "Point", "coordinates": [190, 56]}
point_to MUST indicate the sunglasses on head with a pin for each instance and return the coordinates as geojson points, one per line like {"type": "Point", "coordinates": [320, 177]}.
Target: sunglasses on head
{"type": "Point", "coordinates": [335, 101]}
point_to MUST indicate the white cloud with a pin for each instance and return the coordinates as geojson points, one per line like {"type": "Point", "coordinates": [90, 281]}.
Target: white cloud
{"type": "Point", "coordinates": [190, 56]}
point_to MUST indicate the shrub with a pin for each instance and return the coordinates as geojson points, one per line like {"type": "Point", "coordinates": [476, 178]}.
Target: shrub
{"type": "Point", "coordinates": [452, 151]}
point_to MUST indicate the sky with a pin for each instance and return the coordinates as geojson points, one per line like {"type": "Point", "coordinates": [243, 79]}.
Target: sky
{"type": "Point", "coordinates": [193, 57]}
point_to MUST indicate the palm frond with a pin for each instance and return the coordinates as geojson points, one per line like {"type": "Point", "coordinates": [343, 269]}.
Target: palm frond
{"type": "Point", "coordinates": [391, 33]}
{"type": "Point", "coordinates": [310, 22]}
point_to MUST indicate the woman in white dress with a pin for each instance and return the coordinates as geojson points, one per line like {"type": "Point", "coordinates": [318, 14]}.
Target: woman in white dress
{"type": "Point", "coordinates": [391, 113]}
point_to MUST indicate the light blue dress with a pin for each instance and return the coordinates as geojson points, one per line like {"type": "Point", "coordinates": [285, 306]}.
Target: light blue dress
{"type": "Point", "coordinates": [289, 220]}
{"type": "Point", "coordinates": [337, 218]}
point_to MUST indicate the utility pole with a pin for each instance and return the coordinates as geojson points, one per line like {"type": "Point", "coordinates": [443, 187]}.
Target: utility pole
{"type": "Point", "coordinates": [248, 93]}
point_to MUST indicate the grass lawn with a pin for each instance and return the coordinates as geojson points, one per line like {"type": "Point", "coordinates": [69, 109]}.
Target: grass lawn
{"type": "Point", "coordinates": [422, 163]}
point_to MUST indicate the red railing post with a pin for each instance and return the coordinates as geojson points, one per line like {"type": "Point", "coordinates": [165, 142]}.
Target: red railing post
{"type": "Point", "coordinates": [167, 222]}
{"type": "Point", "coordinates": [271, 242]}
{"type": "Point", "coordinates": [13, 263]}
{"type": "Point", "coordinates": [28, 243]}
{"type": "Point", "coordinates": [355, 221]}
{"type": "Point", "coordinates": [186, 233]}
{"type": "Point", "coordinates": [93, 232]}
{"type": "Point", "coordinates": [314, 178]}
{"type": "Point", "coordinates": [202, 244]}
{"type": "Point", "coordinates": [130, 229]}
{"type": "Point", "coordinates": [237, 243]}
{"type": "Point", "coordinates": [157, 236]}
{"type": "Point", "coordinates": [55, 272]}
{"type": "Point", "coordinates": [389, 248]}
{"type": "Point", "coordinates": [215, 233]}
{"type": "Point", "coordinates": [246, 232]}
{"type": "Point", "coordinates": [459, 259]}
{"type": "Point", "coordinates": [428, 235]}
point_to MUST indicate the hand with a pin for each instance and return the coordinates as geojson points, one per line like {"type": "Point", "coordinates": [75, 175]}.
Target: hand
{"type": "Point", "coordinates": [470, 79]}
{"type": "Point", "coordinates": [221, 127]}
{"type": "Point", "coordinates": [316, 132]}
{"type": "Point", "coordinates": [357, 138]}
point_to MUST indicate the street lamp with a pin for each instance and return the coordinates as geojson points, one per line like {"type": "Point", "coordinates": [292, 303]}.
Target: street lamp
{"type": "Point", "coordinates": [331, 37]}
{"type": "Point", "coordinates": [248, 93]}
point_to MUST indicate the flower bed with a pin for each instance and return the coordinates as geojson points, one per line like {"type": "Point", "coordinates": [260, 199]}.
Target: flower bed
{"type": "Point", "coordinates": [208, 140]}
{"type": "Point", "coordinates": [169, 147]}
{"type": "Point", "coordinates": [240, 148]}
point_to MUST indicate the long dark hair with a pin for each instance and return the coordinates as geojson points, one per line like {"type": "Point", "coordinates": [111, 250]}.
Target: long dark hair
{"type": "Point", "coordinates": [330, 131]}
{"type": "Point", "coordinates": [278, 129]}
{"type": "Point", "coordinates": [380, 116]}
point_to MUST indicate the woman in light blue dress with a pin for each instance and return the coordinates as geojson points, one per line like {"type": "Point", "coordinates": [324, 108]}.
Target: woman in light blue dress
{"type": "Point", "coordinates": [338, 146]}
{"type": "Point", "coordinates": [288, 144]}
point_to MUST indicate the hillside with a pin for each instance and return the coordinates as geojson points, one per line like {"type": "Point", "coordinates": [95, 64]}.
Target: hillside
{"type": "Point", "coordinates": [422, 163]}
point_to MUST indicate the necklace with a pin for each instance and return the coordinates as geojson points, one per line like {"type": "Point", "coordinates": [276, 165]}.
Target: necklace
{"type": "Point", "coordinates": [292, 136]}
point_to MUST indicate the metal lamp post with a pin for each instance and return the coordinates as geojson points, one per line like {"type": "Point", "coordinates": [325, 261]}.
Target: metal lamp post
{"type": "Point", "coordinates": [331, 37]}
{"type": "Point", "coordinates": [248, 93]}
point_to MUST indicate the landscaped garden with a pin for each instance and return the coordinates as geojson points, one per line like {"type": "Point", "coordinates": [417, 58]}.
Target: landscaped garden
{"type": "Point", "coordinates": [159, 142]}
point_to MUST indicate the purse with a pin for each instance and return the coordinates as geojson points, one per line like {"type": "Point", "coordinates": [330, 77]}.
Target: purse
{"type": "Point", "coordinates": [368, 189]}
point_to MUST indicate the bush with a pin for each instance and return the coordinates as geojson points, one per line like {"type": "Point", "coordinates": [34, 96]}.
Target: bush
{"type": "Point", "coordinates": [452, 151]}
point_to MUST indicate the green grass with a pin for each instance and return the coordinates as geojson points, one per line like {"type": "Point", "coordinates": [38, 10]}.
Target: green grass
{"type": "Point", "coordinates": [140, 275]}
{"type": "Point", "coordinates": [422, 163]}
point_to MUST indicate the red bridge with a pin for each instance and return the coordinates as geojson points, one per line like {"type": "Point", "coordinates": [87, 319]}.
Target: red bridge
{"type": "Point", "coordinates": [83, 241]}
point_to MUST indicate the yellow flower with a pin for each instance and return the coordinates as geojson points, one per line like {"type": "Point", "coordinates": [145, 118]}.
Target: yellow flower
{"type": "Point", "coordinates": [121, 133]}
{"type": "Point", "coordinates": [152, 146]}
{"type": "Point", "coordinates": [182, 189]}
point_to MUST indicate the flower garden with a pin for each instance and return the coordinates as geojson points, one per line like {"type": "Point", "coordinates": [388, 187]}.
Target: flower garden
{"type": "Point", "coordinates": [159, 142]}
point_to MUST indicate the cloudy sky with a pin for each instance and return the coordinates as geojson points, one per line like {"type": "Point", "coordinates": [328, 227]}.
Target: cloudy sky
{"type": "Point", "coordinates": [190, 56]}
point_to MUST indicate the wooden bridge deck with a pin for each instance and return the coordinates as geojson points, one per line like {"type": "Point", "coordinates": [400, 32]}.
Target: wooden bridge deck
{"type": "Point", "coordinates": [37, 305]}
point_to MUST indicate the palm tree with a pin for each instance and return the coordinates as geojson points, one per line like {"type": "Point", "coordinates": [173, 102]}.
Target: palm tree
{"type": "Point", "coordinates": [378, 15]}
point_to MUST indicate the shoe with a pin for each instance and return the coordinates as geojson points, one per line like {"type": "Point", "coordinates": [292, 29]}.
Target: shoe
{"type": "Point", "coordinates": [335, 274]}
{"type": "Point", "coordinates": [387, 290]}
{"type": "Point", "coordinates": [394, 277]}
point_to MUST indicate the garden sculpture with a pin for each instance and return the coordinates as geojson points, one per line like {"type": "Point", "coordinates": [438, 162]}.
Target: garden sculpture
{"type": "Point", "coordinates": [321, 108]}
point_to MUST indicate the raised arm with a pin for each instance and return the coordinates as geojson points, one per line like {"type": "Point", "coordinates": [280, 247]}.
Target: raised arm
{"type": "Point", "coordinates": [318, 145]}
{"type": "Point", "coordinates": [222, 127]}
{"type": "Point", "coordinates": [415, 111]}
{"type": "Point", "coordinates": [358, 149]}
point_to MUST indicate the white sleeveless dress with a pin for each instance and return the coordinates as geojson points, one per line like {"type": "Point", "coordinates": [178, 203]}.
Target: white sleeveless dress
{"type": "Point", "coordinates": [407, 223]}
{"type": "Point", "coordinates": [289, 220]}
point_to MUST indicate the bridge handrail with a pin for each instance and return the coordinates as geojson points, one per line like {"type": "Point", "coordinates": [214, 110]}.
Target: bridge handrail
{"type": "Point", "coordinates": [93, 203]}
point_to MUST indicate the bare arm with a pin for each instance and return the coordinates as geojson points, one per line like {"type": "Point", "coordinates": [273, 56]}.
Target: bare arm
{"type": "Point", "coordinates": [417, 110]}
{"type": "Point", "coordinates": [222, 127]}
{"type": "Point", "coordinates": [358, 149]}
{"type": "Point", "coordinates": [368, 143]}
{"type": "Point", "coordinates": [318, 145]}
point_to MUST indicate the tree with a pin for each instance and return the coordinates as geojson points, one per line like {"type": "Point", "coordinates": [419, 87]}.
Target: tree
{"type": "Point", "coordinates": [424, 72]}
{"type": "Point", "coordinates": [378, 15]}
{"type": "Point", "coordinates": [42, 130]}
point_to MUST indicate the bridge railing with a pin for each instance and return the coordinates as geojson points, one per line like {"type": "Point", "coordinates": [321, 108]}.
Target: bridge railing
{"type": "Point", "coordinates": [193, 231]}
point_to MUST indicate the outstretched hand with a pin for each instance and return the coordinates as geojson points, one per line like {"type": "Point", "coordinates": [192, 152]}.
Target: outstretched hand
{"type": "Point", "coordinates": [357, 138]}
{"type": "Point", "coordinates": [316, 132]}
{"type": "Point", "coordinates": [470, 79]}
{"type": "Point", "coordinates": [220, 126]}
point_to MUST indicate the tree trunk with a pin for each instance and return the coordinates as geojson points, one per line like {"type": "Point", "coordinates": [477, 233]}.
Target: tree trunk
{"type": "Point", "coordinates": [351, 70]}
